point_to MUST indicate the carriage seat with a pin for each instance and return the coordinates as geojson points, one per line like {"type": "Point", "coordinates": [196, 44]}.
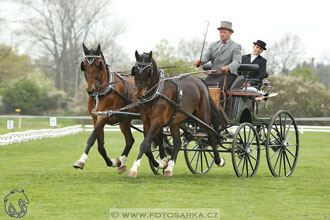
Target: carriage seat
{"type": "Point", "coordinates": [246, 71]}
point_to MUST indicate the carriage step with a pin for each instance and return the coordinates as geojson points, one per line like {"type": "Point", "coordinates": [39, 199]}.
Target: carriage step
{"type": "Point", "coordinates": [200, 135]}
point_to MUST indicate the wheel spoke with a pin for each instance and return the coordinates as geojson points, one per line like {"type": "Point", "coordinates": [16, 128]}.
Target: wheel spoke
{"type": "Point", "coordinates": [256, 147]}
{"type": "Point", "coordinates": [275, 137]}
{"type": "Point", "coordinates": [207, 162]}
{"type": "Point", "coordinates": [241, 154]}
{"type": "Point", "coordinates": [201, 161]}
{"type": "Point", "coordinates": [253, 157]}
{"type": "Point", "coordinates": [210, 154]}
{"type": "Point", "coordinates": [274, 154]}
{"type": "Point", "coordinates": [239, 138]}
{"type": "Point", "coordinates": [194, 154]}
{"type": "Point", "coordinates": [277, 158]}
{"type": "Point", "coordinates": [284, 132]}
{"type": "Point", "coordinates": [248, 141]}
{"type": "Point", "coordinates": [247, 167]}
{"type": "Point", "coordinates": [239, 164]}
{"type": "Point", "coordinates": [251, 164]}
{"type": "Point", "coordinates": [291, 153]}
{"type": "Point", "coordinates": [287, 132]}
{"type": "Point", "coordinates": [197, 160]}
{"type": "Point", "coordinates": [244, 132]}
{"type": "Point", "coordinates": [281, 153]}
{"type": "Point", "coordinates": [243, 166]}
{"type": "Point", "coordinates": [278, 131]}
{"type": "Point", "coordinates": [291, 135]}
{"type": "Point", "coordinates": [288, 160]}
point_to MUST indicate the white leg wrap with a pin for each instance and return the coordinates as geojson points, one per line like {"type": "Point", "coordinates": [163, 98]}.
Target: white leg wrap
{"type": "Point", "coordinates": [136, 165]}
{"type": "Point", "coordinates": [162, 162]}
{"type": "Point", "coordinates": [114, 162]}
{"type": "Point", "coordinates": [122, 160]}
{"type": "Point", "coordinates": [165, 159]}
{"type": "Point", "coordinates": [170, 166]}
{"type": "Point", "coordinates": [222, 162]}
{"type": "Point", "coordinates": [83, 157]}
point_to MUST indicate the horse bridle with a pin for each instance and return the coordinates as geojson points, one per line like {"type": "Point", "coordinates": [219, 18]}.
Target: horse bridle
{"type": "Point", "coordinates": [141, 66]}
{"type": "Point", "coordinates": [90, 60]}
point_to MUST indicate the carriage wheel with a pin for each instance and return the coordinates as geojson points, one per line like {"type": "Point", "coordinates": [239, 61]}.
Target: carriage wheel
{"type": "Point", "coordinates": [199, 155]}
{"type": "Point", "coordinates": [246, 150]}
{"type": "Point", "coordinates": [282, 144]}
{"type": "Point", "coordinates": [167, 143]}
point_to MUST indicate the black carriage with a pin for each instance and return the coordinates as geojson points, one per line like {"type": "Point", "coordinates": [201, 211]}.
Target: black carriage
{"type": "Point", "coordinates": [246, 134]}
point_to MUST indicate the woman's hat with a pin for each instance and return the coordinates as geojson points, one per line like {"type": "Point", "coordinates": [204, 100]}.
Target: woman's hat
{"type": "Point", "coordinates": [226, 25]}
{"type": "Point", "coordinates": [261, 44]}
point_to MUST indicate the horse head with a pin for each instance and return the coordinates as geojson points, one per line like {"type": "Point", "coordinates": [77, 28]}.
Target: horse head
{"type": "Point", "coordinates": [93, 65]}
{"type": "Point", "coordinates": [143, 72]}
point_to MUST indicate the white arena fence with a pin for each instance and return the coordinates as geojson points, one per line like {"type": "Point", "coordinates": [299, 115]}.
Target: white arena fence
{"type": "Point", "coordinates": [301, 128]}
{"type": "Point", "coordinates": [17, 137]}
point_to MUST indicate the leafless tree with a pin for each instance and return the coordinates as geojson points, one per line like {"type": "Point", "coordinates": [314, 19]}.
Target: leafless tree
{"type": "Point", "coordinates": [284, 55]}
{"type": "Point", "coordinates": [58, 28]}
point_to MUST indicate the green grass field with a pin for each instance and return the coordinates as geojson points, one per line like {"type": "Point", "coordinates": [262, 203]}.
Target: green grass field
{"type": "Point", "coordinates": [43, 169]}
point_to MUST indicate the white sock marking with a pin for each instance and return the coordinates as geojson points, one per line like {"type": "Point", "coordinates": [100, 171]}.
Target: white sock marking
{"type": "Point", "coordinates": [83, 158]}
{"type": "Point", "coordinates": [136, 165]}
{"type": "Point", "coordinates": [122, 160]}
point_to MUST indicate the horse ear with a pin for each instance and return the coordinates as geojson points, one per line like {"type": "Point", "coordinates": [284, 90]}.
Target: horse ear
{"type": "Point", "coordinates": [85, 49]}
{"type": "Point", "coordinates": [82, 66]}
{"type": "Point", "coordinates": [100, 66]}
{"type": "Point", "coordinates": [150, 56]}
{"type": "Point", "coordinates": [133, 71]}
{"type": "Point", "coordinates": [137, 56]}
{"type": "Point", "coordinates": [98, 48]}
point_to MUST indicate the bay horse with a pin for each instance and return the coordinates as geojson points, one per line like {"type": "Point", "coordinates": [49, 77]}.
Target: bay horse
{"type": "Point", "coordinates": [169, 102]}
{"type": "Point", "coordinates": [107, 90]}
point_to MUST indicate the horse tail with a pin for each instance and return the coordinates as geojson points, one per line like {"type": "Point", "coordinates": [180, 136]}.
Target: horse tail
{"type": "Point", "coordinates": [218, 120]}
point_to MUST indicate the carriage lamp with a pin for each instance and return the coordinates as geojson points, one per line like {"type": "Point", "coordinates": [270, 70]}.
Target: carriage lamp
{"type": "Point", "coordinates": [266, 87]}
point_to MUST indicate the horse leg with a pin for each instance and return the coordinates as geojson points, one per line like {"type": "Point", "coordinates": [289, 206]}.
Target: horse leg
{"type": "Point", "coordinates": [102, 151]}
{"type": "Point", "coordinates": [129, 140]}
{"type": "Point", "coordinates": [205, 114]}
{"type": "Point", "coordinates": [158, 140]}
{"type": "Point", "coordinates": [217, 159]}
{"type": "Point", "coordinates": [175, 131]}
{"type": "Point", "coordinates": [144, 147]}
{"type": "Point", "coordinates": [90, 142]}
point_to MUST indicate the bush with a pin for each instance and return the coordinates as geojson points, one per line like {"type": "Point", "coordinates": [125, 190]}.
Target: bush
{"type": "Point", "coordinates": [27, 96]}
{"type": "Point", "coordinates": [56, 101]}
{"type": "Point", "coordinates": [303, 98]}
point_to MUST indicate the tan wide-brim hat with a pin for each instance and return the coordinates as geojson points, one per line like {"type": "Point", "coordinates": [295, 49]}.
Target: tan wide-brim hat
{"type": "Point", "coordinates": [226, 25]}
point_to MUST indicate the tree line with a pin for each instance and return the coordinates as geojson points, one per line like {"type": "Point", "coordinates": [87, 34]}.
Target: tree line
{"type": "Point", "coordinates": [48, 79]}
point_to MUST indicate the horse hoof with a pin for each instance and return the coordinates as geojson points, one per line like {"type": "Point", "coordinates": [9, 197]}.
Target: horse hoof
{"type": "Point", "coordinates": [222, 162]}
{"type": "Point", "coordinates": [132, 174]}
{"type": "Point", "coordinates": [79, 165]}
{"type": "Point", "coordinates": [168, 173]}
{"type": "Point", "coordinates": [122, 169]}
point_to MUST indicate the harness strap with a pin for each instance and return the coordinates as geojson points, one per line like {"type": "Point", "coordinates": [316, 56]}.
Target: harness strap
{"type": "Point", "coordinates": [178, 105]}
